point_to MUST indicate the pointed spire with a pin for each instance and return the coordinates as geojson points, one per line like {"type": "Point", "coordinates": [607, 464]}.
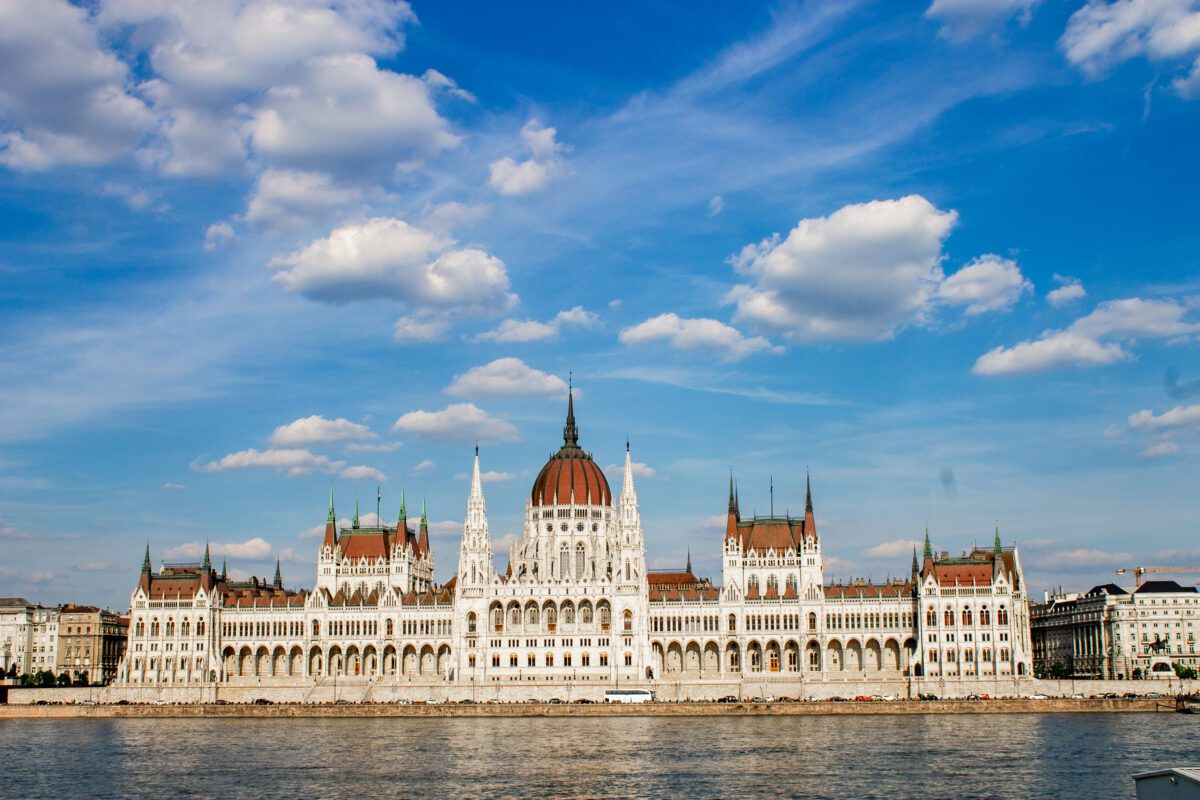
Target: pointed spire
{"type": "Point", "coordinates": [355, 523]}
{"type": "Point", "coordinates": [689, 561]}
{"type": "Point", "coordinates": [146, 561]}
{"type": "Point", "coordinates": [331, 518]}
{"type": "Point", "coordinates": [206, 565]}
{"type": "Point", "coordinates": [476, 478]}
{"type": "Point", "coordinates": [733, 509]}
{"type": "Point", "coordinates": [224, 570]}
{"type": "Point", "coordinates": [998, 546]}
{"type": "Point", "coordinates": [402, 521]}
{"type": "Point", "coordinates": [807, 492]}
{"type": "Point", "coordinates": [915, 567]}
{"type": "Point", "coordinates": [570, 430]}
{"type": "Point", "coordinates": [278, 576]}
{"type": "Point", "coordinates": [423, 538]}
{"type": "Point", "coordinates": [928, 546]}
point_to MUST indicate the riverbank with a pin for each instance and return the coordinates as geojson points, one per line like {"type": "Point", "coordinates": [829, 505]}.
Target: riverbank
{"type": "Point", "coordinates": [291, 710]}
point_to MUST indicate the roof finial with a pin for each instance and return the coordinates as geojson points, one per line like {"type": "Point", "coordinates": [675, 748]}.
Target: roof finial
{"type": "Point", "coordinates": [772, 497]}
{"type": "Point", "coordinates": [928, 546]}
{"type": "Point", "coordinates": [403, 512]}
{"type": "Point", "coordinates": [807, 491]}
{"type": "Point", "coordinates": [732, 498]}
{"type": "Point", "coordinates": [332, 517]}
{"type": "Point", "coordinates": [206, 565]}
{"type": "Point", "coordinates": [915, 568]}
{"type": "Point", "coordinates": [224, 570]}
{"type": "Point", "coordinates": [278, 576]}
{"type": "Point", "coordinates": [146, 561]}
{"type": "Point", "coordinates": [998, 546]}
{"type": "Point", "coordinates": [355, 523]}
{"type": "Point", "coordinates": [689, 561]}
{"type": "Point", "coordinates": [570, 431]}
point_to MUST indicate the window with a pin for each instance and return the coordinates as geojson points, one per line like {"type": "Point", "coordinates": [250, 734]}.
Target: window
{"type": "Point", "coordinates": [985, 616]}
{"type": "Point", "coordinates": [604, 659]}
{"type": "Point", "coordinates": [732, 623]}
{"type": "Point", "coordinates": [949, 616]}
{"type": "Point", "coordinates": [628, 620]}
{"type": "Point", "coordinates": [580, 558]}
{"type": "Point", "coordinates": [1002, 616]}
{"type": "Point", "coordinates": [585, 660]}
{"type": "Point", "coordinates": [629, 659]}
{"type": "Point", "coordinates": [566, 659]}
{"type": "Point", "coordinates": [564, 562]}
{"type": "Point", "coordinates": [531, 660]}
{"type": "Point", "coordinates": [512, 660]}
{"type": "Point", "coordinates": [966, 616]}
{"type": "Point", "coordinates": [931, 617]}
{"type": "Point", "coordinates": [316, 628]}
{"type": "Point", "coordinates": [495, 659]}
{"type": "Point", "coordinates": [470, 624]}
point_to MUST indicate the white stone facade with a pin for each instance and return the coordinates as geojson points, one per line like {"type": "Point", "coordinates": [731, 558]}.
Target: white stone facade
{"type": "Point", "coordinates": [28, 636]}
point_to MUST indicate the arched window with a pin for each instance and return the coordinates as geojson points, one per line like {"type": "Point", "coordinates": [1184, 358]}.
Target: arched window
{"type": "Point", "coordinates": [791, 582]}
{"type": "Point", "coordinates": [514, 618]}
{"type": "Point", "coordinates": [752, 585]}
{"type": "Point", "coordinates": [585, 615]}
{"type": "Point", "coordinates": [732, 623]}
{"type": "Point", "coordinates": [772, 583]}
{"type": "Point", "coordinates": [199, 627]}
{"type": "Point", "coordinates": [812, 620]}
{"type": "Point", "coordinates": [154, 627]}
{"type": "Point", "coordinates": [185, 628]}
{"type": "Point", "coordinates": [568, 614]}
{"type": "Point", "coordinates": [966, 616]}
{"type": "Point", "coordinates": [564, 562]}
{"type": "Point", "coordinates": [580, 557]}
{"type": "Point", "coordinates": [140, 628]}
{"type": "Point", "coordinates": [170, 627]}
{"type": "Point", "coordinates": [985, 616]}
{"type": "Point", "coordinates": [316, 628]}
{"type": "Point", "coordinates": [498, 619]}
{"type": "Point", "coordinates": [627, 570]}
{"type": "Point", "coordinates": [931, 617]}
{"type": "Point", "coordinates": [628, 618]}
{"type": "Point", "coordinates": [531, 615]}
{"type": "Point", "coordinates": [949, 615]}
{"type": "Point", "coordinates": [1002, 616]}
{"type": "Point", "coordinates": [471, 624]}
{"type": "Point", "coordinates": [389, 627]}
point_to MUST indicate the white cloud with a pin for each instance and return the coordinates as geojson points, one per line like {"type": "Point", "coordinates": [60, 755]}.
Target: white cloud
{"type": "Point", "coordinates": [382, 447]}
{"type": "Point", "coordinates": [1179, 416]}
{"type": "Point", "coordinates": [716, 206]}
{"type": "Point", "coordinates": [137, 198]}
{"type": "Point", "coordinates": [285, 198]}
{"type": "Point", "coordinates": [1087, 557]}
{"type": "Point", "coordinates": [897, 548]}
{"type": "Point", "coordinates": [440, 83]}
{"type": "Point", "coordinates": [486, 476]}
{"type": "Point", "coordinates": [509, 177]}
{"type": "Point", "coordinates": [64, 98]}
{"type": "Point", "coordinates": [12, 533]}
{"type": "Point", "coordinates": [173, 487]}
{"type": "Point", "coordinates": [423, 467]}
{"type": "Point", "coordinates": [361, 473]}
{"type": "Point", "coordinates": [194, 551]}
{"type": "Point", "coordinates": [506, 377]}
{"type": "Point", "coordinates": [988, 283]}
{"type": "Point", "coordinates": [697, 334]}
{"type": "Point", "coordinates": [863, 272]}
{"type": "Point", "coordinates": [93, 566]}
{"type": "Point", "coordinates": [963, 19]}
{"type": "Point", "coordinates": [388, 258]}
{"type": "Point", "coordinates": [1070, 290]}
{"type": "Point", "coordinates": [640, 470]}
{"type": "Point", "coordinates": [291, 555]}
{"type": "Point", "coordinates": [512, 330]}
{"type": "Point", "coordinates": [420, 328]}
{"type": "Point", "coordinates": [445, 529]}
{"type": "Point", "coordinates": [218, 235]}
{"type": "Point", "coordinates": [447, 217]}
{"type": "Point", "coordinates": [1158, 450]}
{"type": "Point", "coordinates": [1101, 34]}
{"type": "Point", "coordinates": [318, 430]}
{"type": "Point", "coordinates": [1084, 342]}
{"type": "Point", "coordinates": [293, 461]}
{"type": "Point", "coordinates": [458, 422]}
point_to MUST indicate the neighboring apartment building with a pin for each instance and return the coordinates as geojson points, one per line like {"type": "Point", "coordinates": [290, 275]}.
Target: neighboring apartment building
{"type": "Point", "coordinates": [91, 642]}
{"type": "Point", "coordinates": [1110, 632]}
{"type": "Point", "coordinates": [28, 636]}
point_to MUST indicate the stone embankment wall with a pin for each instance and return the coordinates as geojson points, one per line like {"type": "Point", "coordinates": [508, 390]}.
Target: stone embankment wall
{"type": "Point", "coordinates": [390, 692]}
{"type": "Point", "coordinates": [192, 711]}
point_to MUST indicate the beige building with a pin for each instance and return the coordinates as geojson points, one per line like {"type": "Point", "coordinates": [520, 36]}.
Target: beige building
{"type": "Point", "coordinates": [91, 642]}
{"type": "Point", "coordinates": [28, 636]}
{"type": "Point", "coordinates": [1110, 632]}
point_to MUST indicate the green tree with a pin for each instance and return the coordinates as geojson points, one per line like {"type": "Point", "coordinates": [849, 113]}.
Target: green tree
{"type": "Point", "coordinates": [12, 671]}
{"type": "Point", "coordinates": [46, 678]}
{"type": "Point", "coordinates": [81, 678]}
{"type": "Point", "coordinates": [64, 679]}
{"type": "Point", "coordinates": [1187, 673]}
{"type": "Point", "coordinates": [1058, 670]}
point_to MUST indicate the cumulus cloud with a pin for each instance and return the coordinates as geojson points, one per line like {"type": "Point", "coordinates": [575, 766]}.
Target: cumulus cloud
{"type": "Point", "coordinates": [288, 198]}
{"type": "Point", "coordinates": [423, 467]}
{"type": "Point", "coordinates": [697, 334]}
{"type": "Point", "coordinates": [293, 461]}
{"type": "Point", "coordinates": [1158, 450]}
{"type": "Point", "coordinates": [487, 476]}
{"type": "Point", "coordinates": [963, 19]}
{"type": "Point", "coordinates": [450, 216]}
{"type": "Point", "coordinates": [218, 235]}
{"type": "Point", "coordinates": [381, 447]}
{"type": "Point", "coordinates": [1102, 34]}
{"type": "Point", "coordinates": [1069, 290]}
{"type": "Point", "coordinates": [64, 98]}
{"type": "Point", "coordinates": [318, 430]}
{"type": "Point", "coordinates": [640, 470]}
{"type": "Point", "coordinates": [512, 330]}
{"type": "Point", "coordinates": [1099, 338]}
{"type": "Point", "coordinates": [897, 548]}
{"type": "Point", "coordinates": [506, 377]}
{"type": "Point", "coordinates": [1179, 416]}
{"type": "Point", "coordinates": [988, 283]}
{"type": "Point", "coordinates": [458, 422]}
{"type": "Point", "coordinates": [862, 273]}
{"type": "Point", "coordinates": [361, 473]}
{"type": "Point", "coordinates": [509, 177]}
{"type": "Point", "coordinates": [386, 257]}
{"type": "Point", "coordinates": [421, 328]}
{"type": "Point", "coordinates": [251, 548]}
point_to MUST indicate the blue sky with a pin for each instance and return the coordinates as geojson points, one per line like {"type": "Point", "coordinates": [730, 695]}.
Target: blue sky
{"type": "Point", "coordinates": [944, 257]}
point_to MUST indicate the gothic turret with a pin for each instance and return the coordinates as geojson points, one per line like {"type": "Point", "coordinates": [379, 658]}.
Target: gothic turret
{"type": "Point", "coordinates": [810, 520]}
{"type": "Point", "coordinates": [278, 582]}
{"type": "Point", "coordinates": [330, 524]}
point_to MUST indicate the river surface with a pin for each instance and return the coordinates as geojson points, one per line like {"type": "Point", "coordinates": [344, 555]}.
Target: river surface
{"type": "Point", "coordinates": [934, 756]}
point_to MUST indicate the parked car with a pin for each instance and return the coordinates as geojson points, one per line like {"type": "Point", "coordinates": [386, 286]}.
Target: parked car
{"type": "Point", "coordinates": [1154, 695]}
{"type": "Point", "coordinates": [262, 701]}
{"type": "Point", "coordinates": [1038, 696]}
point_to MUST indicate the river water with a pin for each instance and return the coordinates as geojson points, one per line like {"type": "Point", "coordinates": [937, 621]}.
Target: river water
{"type": "Point", "coordinates": [934, 756]}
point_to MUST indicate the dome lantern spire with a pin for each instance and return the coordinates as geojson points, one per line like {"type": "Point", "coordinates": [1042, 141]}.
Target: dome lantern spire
{"type": "Point", "coordinates": [570, 430]}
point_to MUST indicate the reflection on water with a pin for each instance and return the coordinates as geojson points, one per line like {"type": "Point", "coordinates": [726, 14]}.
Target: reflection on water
{"type": "Point", "coordinates": [968, 755]}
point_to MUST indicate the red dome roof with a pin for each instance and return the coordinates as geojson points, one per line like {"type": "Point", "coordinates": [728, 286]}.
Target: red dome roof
{"type": "Point", "coordinates": [571, 472]}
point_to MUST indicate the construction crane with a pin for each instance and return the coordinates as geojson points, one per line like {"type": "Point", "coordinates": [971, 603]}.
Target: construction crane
{"type": "Point", "coordinates": [1138, 572]}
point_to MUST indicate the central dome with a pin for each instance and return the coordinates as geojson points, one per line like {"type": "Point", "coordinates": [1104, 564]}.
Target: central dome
{"type": "Point", "coordinates": [571, 472]}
